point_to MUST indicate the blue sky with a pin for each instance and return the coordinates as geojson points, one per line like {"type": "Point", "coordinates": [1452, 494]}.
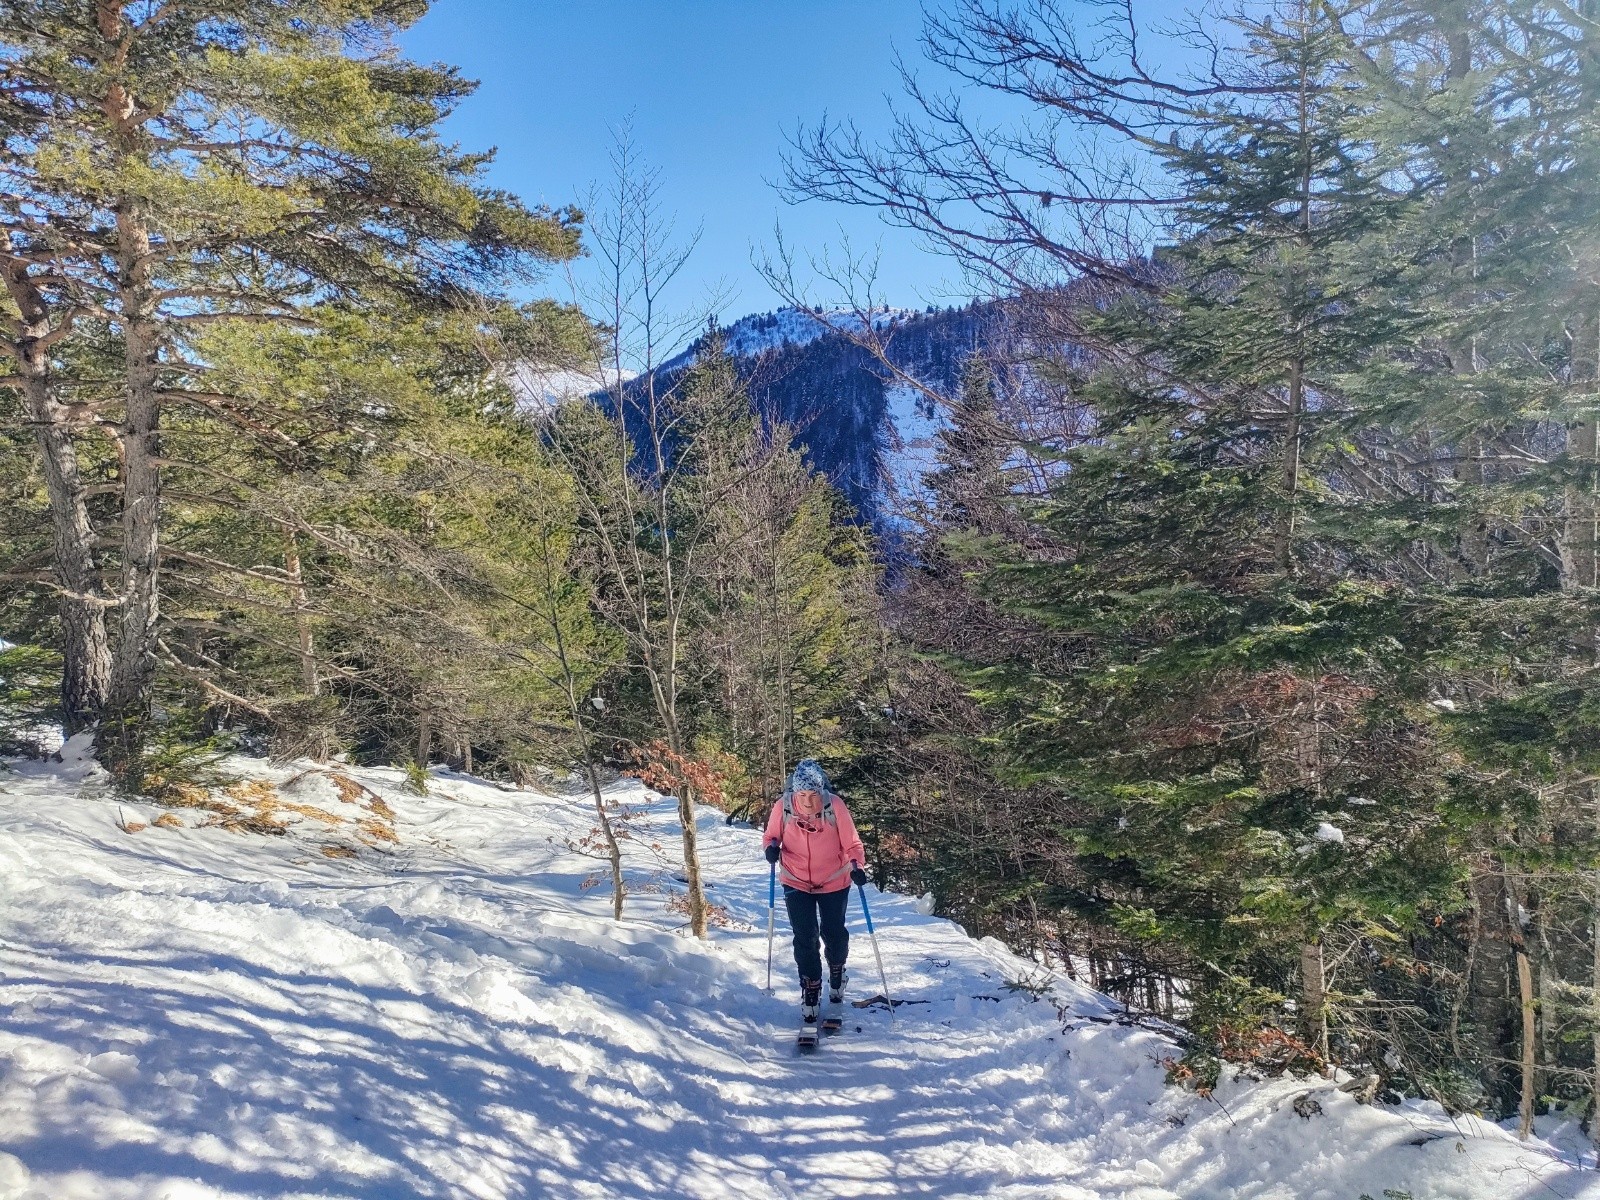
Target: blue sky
{"type": "Point", "coordinates": [712, 87]}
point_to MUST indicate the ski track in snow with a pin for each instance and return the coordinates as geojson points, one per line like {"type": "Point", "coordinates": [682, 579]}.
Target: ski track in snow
{"type": "Point", "coordinates": [194, 1014]}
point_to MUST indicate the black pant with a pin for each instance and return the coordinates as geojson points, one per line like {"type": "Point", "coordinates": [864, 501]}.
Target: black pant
{"type": "Point", "coordinates": [808, 911]}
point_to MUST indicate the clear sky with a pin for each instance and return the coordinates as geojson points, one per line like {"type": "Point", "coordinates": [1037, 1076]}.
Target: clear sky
{"type": "Point", "coordinates": [712, 87]}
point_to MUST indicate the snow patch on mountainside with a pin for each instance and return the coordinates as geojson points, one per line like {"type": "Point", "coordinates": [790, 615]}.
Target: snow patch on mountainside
{"type": "Point", "coordinates": [908, 447]}
{"type": "Point", "coordinates": [753, 334]}
{"type": "Point", "coordinates": [539, 389]}
{"type": "Point", "coordinates": [396, 995]}
{"type": "Point", "coordinates": [757, 333]}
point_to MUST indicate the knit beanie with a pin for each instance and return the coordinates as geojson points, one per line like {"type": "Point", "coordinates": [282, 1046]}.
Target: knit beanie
{"type": "Point", "coordinates": [808, 777]}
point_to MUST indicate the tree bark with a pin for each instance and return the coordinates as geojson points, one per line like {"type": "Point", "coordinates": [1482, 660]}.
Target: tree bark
{"type": "Point", "coordinates": [1547, 982]}
{"type": "Point", "coordinates": [1314, 999]}
{"type": "Point", "coordinates": [613, 847]}
{"type": "Point", "coordinates": [133, 666]}
{"type": "Point", "coordinates": [1291, 463]}
{"type": "Point", "coordinates": [1594, 1000]}
{"type": "Point", "coordinates": [665, 692]}
{"type": "Point", "coordinates": [1519, 949]}
{"type": "Point", "coordinates": [121, 735]}
{"type": "Point", "coordinates": [85, 646]}
{"type": "Point", "coordinates": [699, 910]}
{"type": "Point", "coordinates": [1474, 939]}
{"type": "Point", "coordinates": [424, 739]}
{"type": "Point", "coordinates": [298, 599]}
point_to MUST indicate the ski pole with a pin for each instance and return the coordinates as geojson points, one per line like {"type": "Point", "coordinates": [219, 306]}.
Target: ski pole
{"type": "Point", "coordinates": [772, 911]}
{"type": "Point", "coordinates": [873, 934]}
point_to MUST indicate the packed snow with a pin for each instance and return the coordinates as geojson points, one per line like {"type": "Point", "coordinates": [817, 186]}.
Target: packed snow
{"type": "Point", "coordinates": [318, 984]}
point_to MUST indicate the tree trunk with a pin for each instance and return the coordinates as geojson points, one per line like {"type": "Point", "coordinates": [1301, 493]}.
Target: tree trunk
{"type": "Point", "coordinates": [1474, 940]}
{"type": "Point", "coordinates": [121, 735]}
{"type": "Point", "coordinates": [696, 897]}
{"type": "Point", "coordinates": [1547, 981]}
{"type": "Point", "coordinates": [1519, 948]}
{"type": "Point", "coordinates": [1594, 1000]}
{"type": "Point", "coordinates": [1580, 534]}
{"type": "Point", "coordinates": [1529, 1040]}
{"type": "Point", "coordinates": [1314, 1000]}
{"type": "Point", "coordinates": [1582, 517]}
{"type": "Point", "coordinates": [133, 666]}
{"type": "Point", "coordinates": [85, 647]}
{"type": "Point", "coordinates": [613, 848]}
{"type": "Point", "coordinates": [1291, 463]}
{"type": "Point", "coordinates": [298, 599]}
{"type": "Point", "coordinates": [698, 909]}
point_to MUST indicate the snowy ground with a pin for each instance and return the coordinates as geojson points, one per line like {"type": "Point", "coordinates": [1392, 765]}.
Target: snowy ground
{"type": "Point", "coordinates": [205, 1011]}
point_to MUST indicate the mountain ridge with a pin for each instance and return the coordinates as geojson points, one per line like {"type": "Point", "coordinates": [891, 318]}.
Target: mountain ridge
{"type": "Point", "coordinates": [869, 428]}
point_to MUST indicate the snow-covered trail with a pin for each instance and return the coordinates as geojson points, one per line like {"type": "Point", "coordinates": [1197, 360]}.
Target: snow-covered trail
{"type": "Point", "coordinates": [198, 1013]}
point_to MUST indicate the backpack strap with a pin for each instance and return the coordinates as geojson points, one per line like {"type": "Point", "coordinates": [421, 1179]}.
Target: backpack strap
{"type": "Point", "coordinates": [827, 808]}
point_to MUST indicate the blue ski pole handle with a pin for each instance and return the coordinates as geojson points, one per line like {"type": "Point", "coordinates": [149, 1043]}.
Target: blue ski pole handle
{"type": "Point", "coordinates": [772, 886]}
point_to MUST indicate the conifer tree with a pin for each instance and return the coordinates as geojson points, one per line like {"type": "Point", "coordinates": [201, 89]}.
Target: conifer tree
{"type": "Point", "coordinates": [783, 629]}
{"type": "Point", "coordinates": [184, 166]}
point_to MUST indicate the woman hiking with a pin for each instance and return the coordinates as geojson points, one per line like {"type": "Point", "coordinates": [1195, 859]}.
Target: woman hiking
{"type": "Point", "coordinates": [819, 854]}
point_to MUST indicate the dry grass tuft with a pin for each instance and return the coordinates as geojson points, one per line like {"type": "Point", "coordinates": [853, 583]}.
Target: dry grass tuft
{"type": "Point", "coordinates": [716, 914]}
{"type": "Point", "coordinates": [305, 810]}
{"type": "Point", "coordinates": [256, 806]}
{"type": "Point", "coordinates": [377, 830]}
{"type": "Point", "coordinates": [246, 823]}
{"type": "Point", "coordinates": [254, 791]}
{"type": "Point", "coordinates": [190, 795]}
{"type": "Point", "coordinates": [349, 790]}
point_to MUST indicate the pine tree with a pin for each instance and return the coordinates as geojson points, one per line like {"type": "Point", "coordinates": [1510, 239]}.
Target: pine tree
{"type": "Point", "coordinates": [141, 205]}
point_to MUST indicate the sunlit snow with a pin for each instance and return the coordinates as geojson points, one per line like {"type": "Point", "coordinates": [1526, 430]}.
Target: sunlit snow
{"type": "Point", "coordinates": [198, 1013]}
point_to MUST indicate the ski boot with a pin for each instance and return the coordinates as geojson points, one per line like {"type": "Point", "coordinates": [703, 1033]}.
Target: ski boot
{"type": "Point", "coordinates": [837, 978]}
{"type": "Point", "coordinates": [810, 1000]}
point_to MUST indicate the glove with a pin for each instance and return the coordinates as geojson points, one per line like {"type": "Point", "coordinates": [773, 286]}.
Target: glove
{"type": "Point", "coordinates": [772, 852]}
{"type": "Point", "coordinates": [858, 877]}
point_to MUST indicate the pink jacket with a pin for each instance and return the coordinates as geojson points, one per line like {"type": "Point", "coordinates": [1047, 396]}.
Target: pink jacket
{"type": "Point", "coordinates": [817, 853]}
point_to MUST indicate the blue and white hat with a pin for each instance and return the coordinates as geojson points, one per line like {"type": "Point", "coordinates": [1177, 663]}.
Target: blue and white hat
{"type": "Point", "coordinates": [809, 777]}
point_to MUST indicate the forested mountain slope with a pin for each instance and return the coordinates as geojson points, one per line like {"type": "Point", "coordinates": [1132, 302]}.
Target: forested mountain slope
{"type": "Point", "coordinates": [863, 426]}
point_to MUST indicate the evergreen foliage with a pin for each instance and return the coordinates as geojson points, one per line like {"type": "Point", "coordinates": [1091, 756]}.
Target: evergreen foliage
{"type": "Point", "coordinates": [1241, 653]}
{"type": "Point", "coordinates": [179, 170]}
{"type": "Point", "coordinates": [1279, 682]}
